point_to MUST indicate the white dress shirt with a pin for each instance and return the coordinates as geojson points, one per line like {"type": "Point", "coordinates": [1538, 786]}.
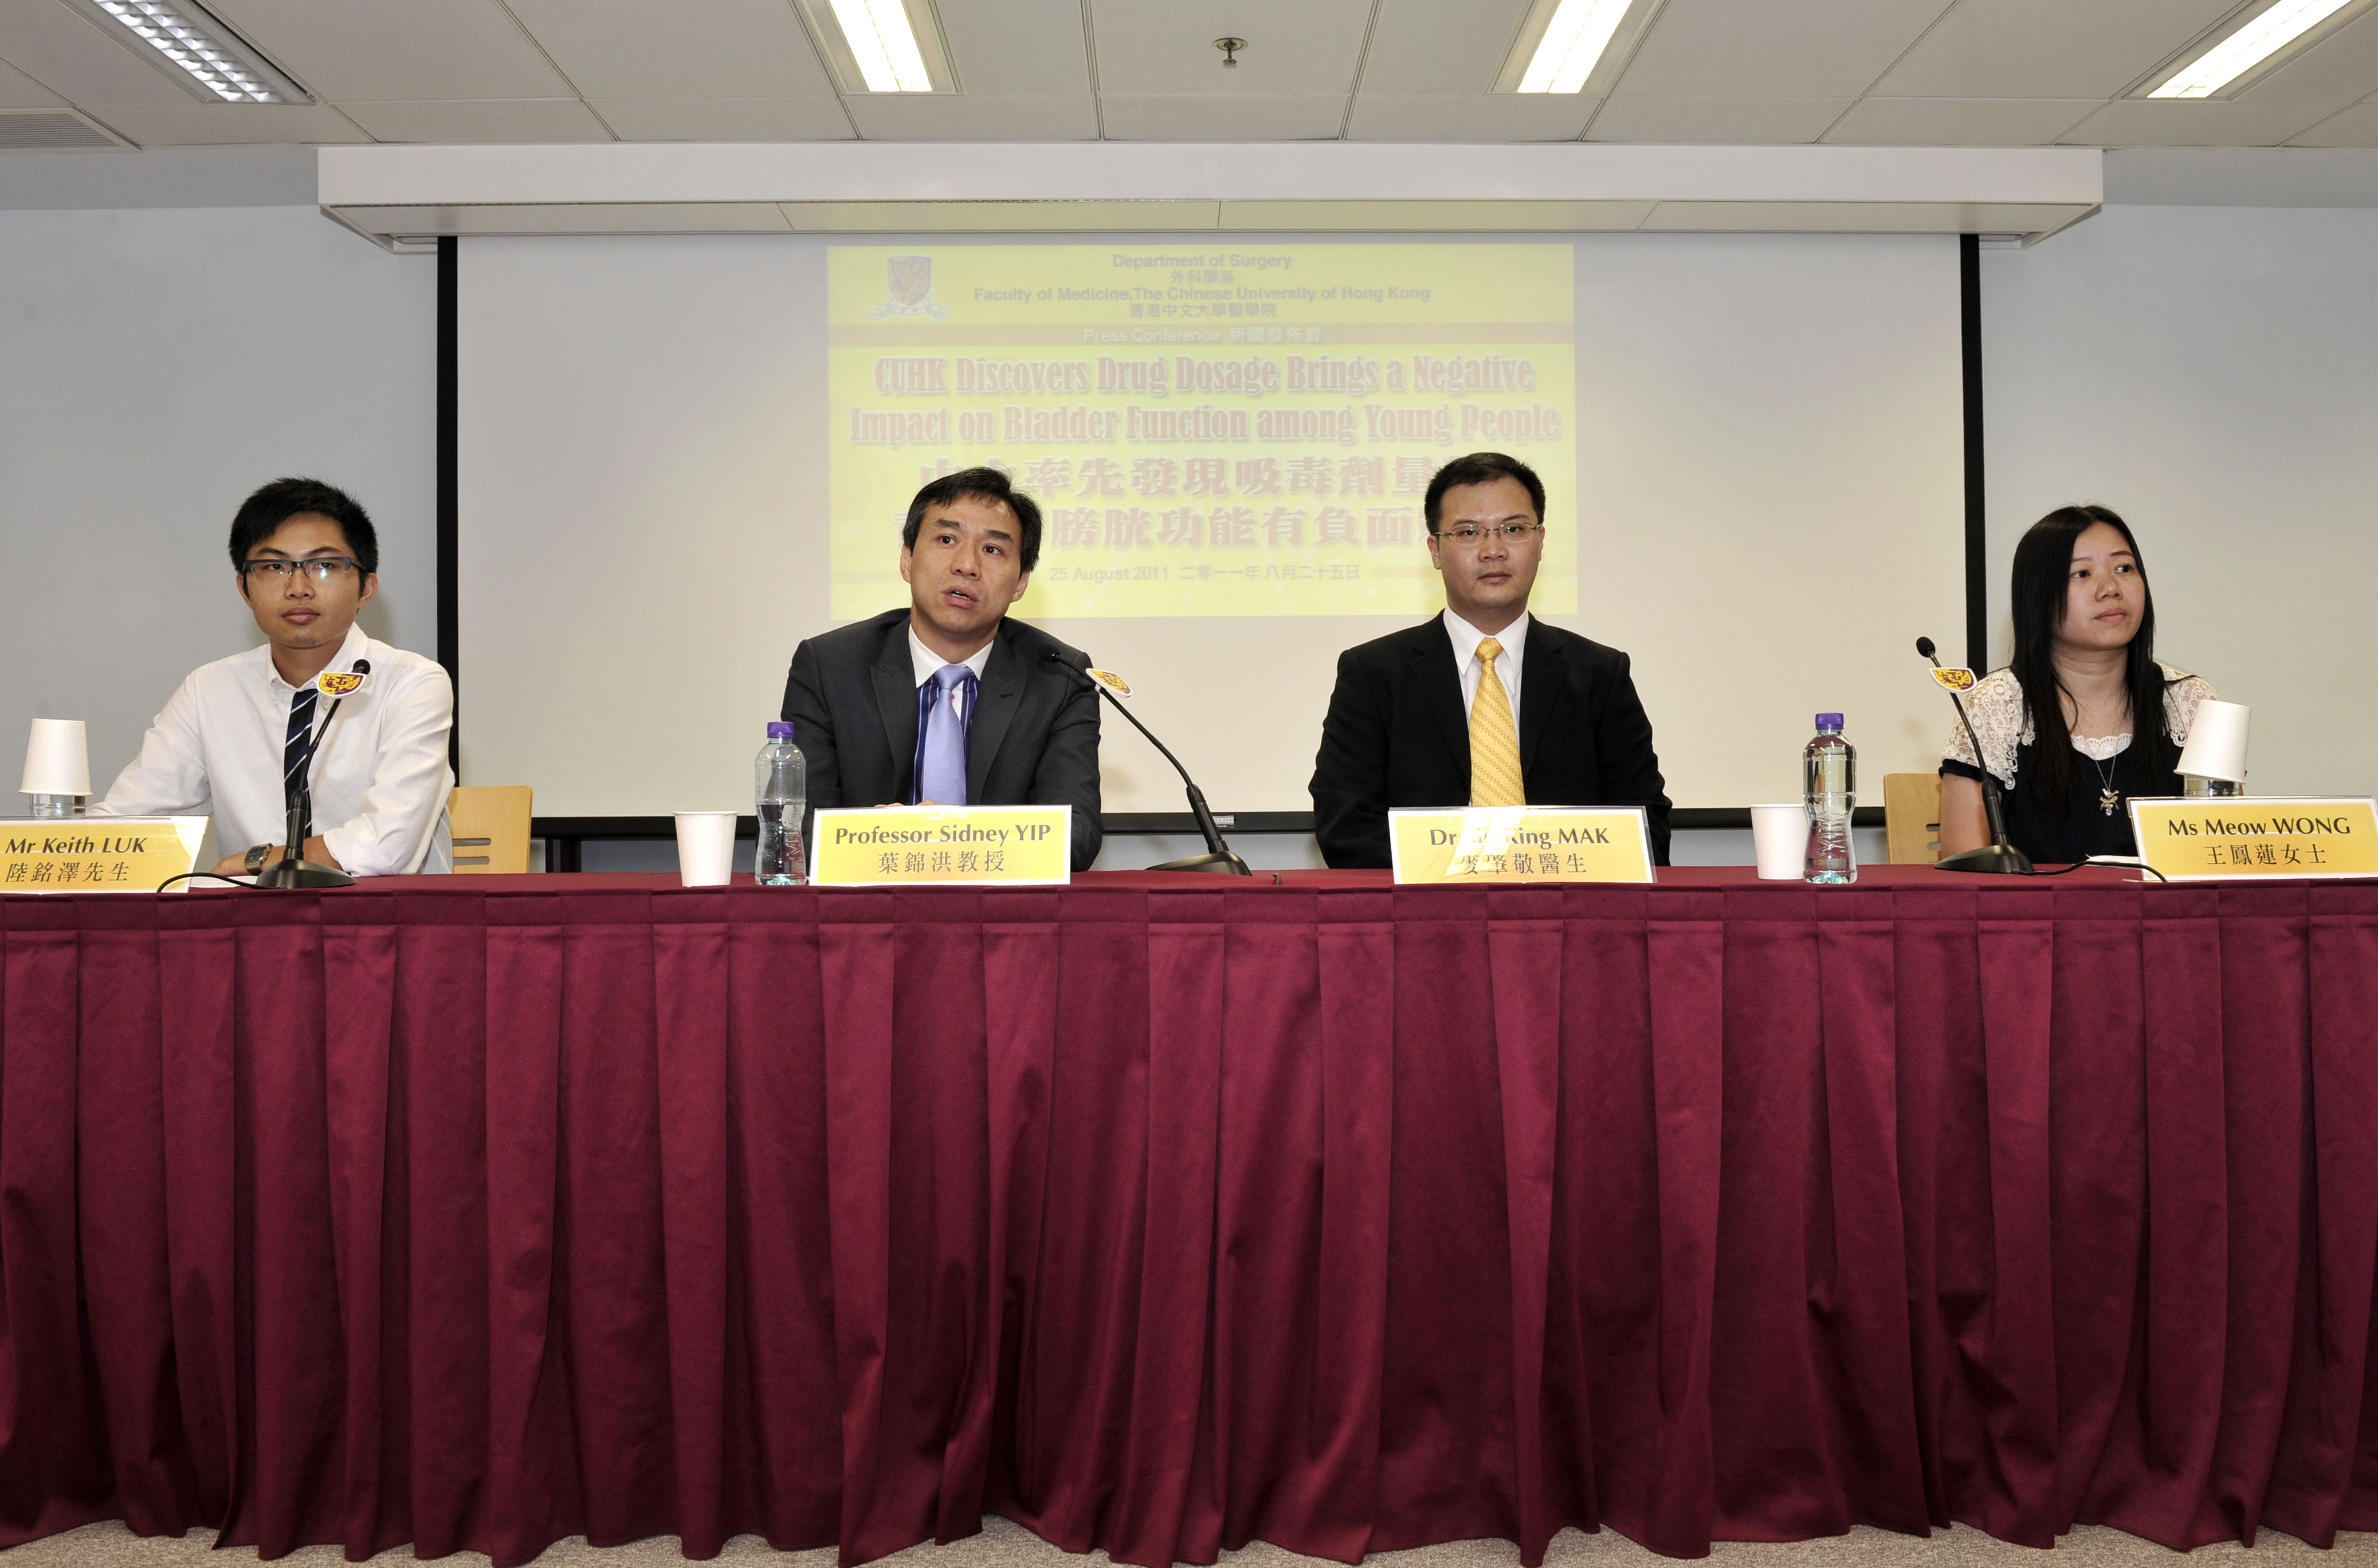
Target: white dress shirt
{"type": "Point", "coordinates": [380, 778]}
{"type": "Point", "coordinates": [1466, 639]}
{"type": "Point", "coordinates": [926, 662]}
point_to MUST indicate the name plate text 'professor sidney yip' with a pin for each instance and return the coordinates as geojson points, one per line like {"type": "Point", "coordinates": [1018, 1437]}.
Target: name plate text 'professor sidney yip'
{"type": "Point", "coordinates": [925, 845]}
{"type": "Point", "coordinates": [1521, 843]}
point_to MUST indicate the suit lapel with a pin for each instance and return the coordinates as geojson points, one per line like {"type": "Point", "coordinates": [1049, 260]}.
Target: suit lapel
{"type": "Point", "coordinates": [895, 701]}
{"type": "Point", "coordinates": [1544, 683]}
{"type": "Point", "coordinates": [995, 710]}
{"type": "Point", "coordinates": [1440, 684]}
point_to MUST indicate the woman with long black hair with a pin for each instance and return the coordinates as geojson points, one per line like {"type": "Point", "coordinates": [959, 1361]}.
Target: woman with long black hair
{"type": "Point", "coordinates": [2084, 718]}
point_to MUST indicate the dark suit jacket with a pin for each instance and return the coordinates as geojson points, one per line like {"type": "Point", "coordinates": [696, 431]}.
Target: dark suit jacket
{"type": "Point", "coordinates": [851, 698]}
{"type": "Point", "coordinates": [1397, 735]}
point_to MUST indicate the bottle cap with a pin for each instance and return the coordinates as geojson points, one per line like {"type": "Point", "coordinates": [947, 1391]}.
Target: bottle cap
{"type": "Point", "coordinates": [778, 729]}
{"type": "Point", "coordinates": [1829, 721]}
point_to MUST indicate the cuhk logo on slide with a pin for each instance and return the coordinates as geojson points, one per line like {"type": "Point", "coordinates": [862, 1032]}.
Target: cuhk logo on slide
{"type": "Point", "coordinates": [908, 290]}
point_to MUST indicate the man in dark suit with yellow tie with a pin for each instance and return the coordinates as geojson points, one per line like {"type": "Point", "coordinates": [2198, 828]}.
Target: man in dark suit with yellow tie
{"type": "Point", "coordinates": [1483, 705]}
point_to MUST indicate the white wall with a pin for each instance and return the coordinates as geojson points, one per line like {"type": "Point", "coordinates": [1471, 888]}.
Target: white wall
{"type": "Point", "coordinates": [2212, 375]}
{"type": "Point", "coordinates": [156, 365]}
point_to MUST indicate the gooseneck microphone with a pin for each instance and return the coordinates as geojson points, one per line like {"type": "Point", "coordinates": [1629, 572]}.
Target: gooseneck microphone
{"type": "Point", "coordinates": [293, 870]}
{"type": "Point", "coordinates": [1218, 855]}
{"type": "Point", "coordinates": [1998, 854]}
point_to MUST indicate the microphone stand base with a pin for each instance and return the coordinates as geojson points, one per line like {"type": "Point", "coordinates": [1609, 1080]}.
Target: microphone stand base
{"type": "Point", "coordinates": [2003, 857]}
{"type": "Point", "coordinates": [301, 874]}
{"type": "Point", "coordinates": [1222, 861]}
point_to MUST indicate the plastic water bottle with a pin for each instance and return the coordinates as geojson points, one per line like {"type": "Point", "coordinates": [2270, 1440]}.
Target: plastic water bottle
{"type": "Point", "coordinates": [784, 792]}
{"type": "Point", "coordinates": [1829, 776]}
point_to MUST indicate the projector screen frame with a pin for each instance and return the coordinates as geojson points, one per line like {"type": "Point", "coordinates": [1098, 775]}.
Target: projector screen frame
{"type": "Point", "coordinates": [564, 835]}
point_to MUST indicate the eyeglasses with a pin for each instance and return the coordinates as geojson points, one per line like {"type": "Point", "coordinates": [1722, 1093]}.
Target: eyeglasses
{"type": "Point", "coordinates": [1468, 534]}
{"type": "Point", "coordinates": [321, 569]}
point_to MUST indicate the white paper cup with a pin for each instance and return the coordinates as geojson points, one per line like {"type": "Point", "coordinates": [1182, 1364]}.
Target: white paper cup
{"type": "Point", "coordinates": [2217, 741]}
{"type": "Point", "coordinates": [705, 848]}
{"type": "Point", "coordinates": [1779, 836]}
{"type": "Point", "coordinates": [57, 761]}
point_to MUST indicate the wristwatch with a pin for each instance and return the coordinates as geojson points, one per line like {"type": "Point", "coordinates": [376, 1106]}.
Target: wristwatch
{"type": "Point", "coordinates": [256, 857]}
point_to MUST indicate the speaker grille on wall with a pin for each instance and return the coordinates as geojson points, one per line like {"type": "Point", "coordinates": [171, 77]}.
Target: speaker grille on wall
{"type": "Point", "coordinates": [55, 130]}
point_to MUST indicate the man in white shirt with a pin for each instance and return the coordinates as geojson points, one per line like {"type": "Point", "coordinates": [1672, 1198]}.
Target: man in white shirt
{"type": "Point", "coordinates": [229, 741]}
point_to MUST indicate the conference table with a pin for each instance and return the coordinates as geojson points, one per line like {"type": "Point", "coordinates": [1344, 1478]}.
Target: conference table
{"type": "Point", "coordinates": [1163, 1212]}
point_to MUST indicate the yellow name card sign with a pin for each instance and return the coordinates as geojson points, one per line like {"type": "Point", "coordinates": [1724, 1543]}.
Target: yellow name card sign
{"type": "Point", "coordinates": [1521, 843]}
{"type": "Point", "coordinates": [96, 853]}
{"type": "Point", "coordinates": [2209, 839]}
{"type": "Point", "coordinates": [903, 845]}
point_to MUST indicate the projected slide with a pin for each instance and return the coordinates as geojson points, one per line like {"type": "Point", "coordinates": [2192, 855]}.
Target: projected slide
{"type": "Point", "coordinates": [1218, 429]}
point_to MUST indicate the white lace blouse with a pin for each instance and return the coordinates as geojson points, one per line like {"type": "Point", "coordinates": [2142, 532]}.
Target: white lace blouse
{"type": "Point", "coordinates": [1996, 707]}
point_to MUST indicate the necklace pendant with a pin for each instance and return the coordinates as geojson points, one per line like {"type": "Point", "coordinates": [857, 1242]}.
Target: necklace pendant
{"type": "Point", "coordinates": [2108, 799]}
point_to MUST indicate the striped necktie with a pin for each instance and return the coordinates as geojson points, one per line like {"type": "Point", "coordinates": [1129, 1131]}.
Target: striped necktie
{"type": "Point", "coordinates": [1494, 742]}
{"type": "Point", "coordinates": [293, 750]}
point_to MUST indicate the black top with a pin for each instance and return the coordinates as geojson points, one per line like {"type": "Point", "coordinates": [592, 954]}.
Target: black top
{"type": "Point", "coordinates": [2054, 836]}
{"type": "Point", "coordinates": [1397, 735]}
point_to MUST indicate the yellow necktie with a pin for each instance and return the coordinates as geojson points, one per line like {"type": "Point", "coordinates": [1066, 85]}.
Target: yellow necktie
{"type": "Point", "coordinates": [1493, 744]}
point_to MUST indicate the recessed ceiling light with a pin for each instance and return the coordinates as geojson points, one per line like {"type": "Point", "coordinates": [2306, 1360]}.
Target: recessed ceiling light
{"type": "Point", "coordinates": [2248, 47]}
{"type": "Point", "coordinates": [1572, 45]}
{"type": "Point", "coordinates": [195, 50]}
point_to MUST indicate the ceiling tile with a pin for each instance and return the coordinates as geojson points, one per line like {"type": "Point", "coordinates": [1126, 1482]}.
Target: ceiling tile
{"type": "Point", "coordinates": [1159, 46]}
{"type": "Point", "coordinates": [2138, 122]}
{"type": "Point", "coordinates": [2339, 69]}
{"type": "Point", "coordinates": [684, 49]}
{"type": "Point", "coordinates": [18, 91]}
{"type": "Point", "coordinates": [189, 123]}
{"type": "Point", "coordinates": [1017, 47]}
{"type": "Point", "coordinates": [1471, 116]}
{"type": "Point", "coordinates": [1958, 122]}
{"type": "Point", "coordinates": [71, 58]}
{"type": "Point", "coordinates": [1429, 47]}
{"type": "Point", "coordinates": [1758, 49]}
{"type": "Point", "coordinates": [1715, 122]}
{"type": "Point", "coordinates": [1215, 117]}
{"type": "Point", "coordinates": [374, 51]}
{"type": "Point", "coordinates": [480, 120]}
{"type": "Point", "coordinates": [896, 116]}
{"type": "Point", "coordinates": [2045, 48]}
{"type": "Point", "coordinates": [2357, 127]}
{"type": "Point", "coordinates": [725, 119]}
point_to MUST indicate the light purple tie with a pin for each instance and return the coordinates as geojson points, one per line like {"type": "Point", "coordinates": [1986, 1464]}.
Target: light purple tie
{"type": "Point", "coordinates": [941, 749]}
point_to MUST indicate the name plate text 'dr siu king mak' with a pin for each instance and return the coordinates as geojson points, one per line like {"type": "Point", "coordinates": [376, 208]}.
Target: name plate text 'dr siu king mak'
{"type": "Point", "coordinates": [1521, 844]}
{"type": "Point", "coordinates": [2221, 838]}
{"type": "Point", "coordinates": [923, 845]}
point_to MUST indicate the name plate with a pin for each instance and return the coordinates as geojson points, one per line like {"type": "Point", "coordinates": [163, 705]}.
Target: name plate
{"type": "Point", "coordinates": [98, 854]}
{"type": "Point", "coordinates": [1521, 843]}
{"type": "Point", "coordinates": [899, 845]}
{"type": "Point", "coordinates": [2220, 838]}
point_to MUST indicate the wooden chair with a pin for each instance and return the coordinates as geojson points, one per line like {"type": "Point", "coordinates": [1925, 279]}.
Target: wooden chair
{"type": "Point", "coordinates": [490, 826]}
{"type": "Point", "coordinates": [1911, 814]}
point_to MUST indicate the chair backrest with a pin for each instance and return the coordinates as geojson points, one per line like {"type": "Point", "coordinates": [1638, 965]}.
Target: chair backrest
{"type": "Point", "coordinates": [490, 826]}
{"type": "Point", "coordinates": [1911, 814]}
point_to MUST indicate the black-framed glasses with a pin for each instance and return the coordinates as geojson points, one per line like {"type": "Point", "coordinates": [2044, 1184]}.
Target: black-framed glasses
{"type": "Point", "coordinates": [320, 568]}
{"type": "Point", "coordinates": [1467, 533]}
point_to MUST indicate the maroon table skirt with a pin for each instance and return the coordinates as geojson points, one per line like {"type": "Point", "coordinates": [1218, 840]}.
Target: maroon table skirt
{"type": "Point", "coordinates": [1166, 1213]}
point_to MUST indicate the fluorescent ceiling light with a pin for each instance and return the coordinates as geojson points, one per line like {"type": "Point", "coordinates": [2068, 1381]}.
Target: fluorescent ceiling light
{"type": "Point", "coordinates": [883, 44]}
{"type": "Point", "coordinates": [197, 51]}
{"type": "Point", "coordinates": [2248, 47]}
{"type": "Point", "coordinates": [1573, 43]}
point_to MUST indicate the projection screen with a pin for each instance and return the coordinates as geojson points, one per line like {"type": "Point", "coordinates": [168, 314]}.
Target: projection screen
{"type": "Point", "coordinates": [681, 455]}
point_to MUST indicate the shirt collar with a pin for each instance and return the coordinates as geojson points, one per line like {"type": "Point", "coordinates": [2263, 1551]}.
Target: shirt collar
{"type": "Point", "coordinates": [924, 662]}
{"type": "Point", "coordinates": [357, 645]}
{"type": "Point", "coordinates": [1466, 639]}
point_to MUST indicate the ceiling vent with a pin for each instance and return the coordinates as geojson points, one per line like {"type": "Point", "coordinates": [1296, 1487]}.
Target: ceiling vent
{"type": "Point", "coordinates": [55, 130]}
